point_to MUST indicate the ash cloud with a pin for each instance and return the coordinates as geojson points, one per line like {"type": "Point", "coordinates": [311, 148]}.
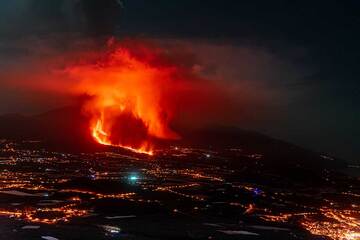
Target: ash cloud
{"type": "Point", "coordinates": [54, 33]}
{"type": "Point", "coordinates": [222, 83]}
{"type": "Point", "coordinates": [259, 53]}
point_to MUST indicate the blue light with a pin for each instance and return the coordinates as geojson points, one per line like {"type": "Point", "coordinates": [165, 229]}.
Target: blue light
{"type": "Point", "coordinates": [257, 191]}
{"type": "Point", "coordinates": [133, 178]}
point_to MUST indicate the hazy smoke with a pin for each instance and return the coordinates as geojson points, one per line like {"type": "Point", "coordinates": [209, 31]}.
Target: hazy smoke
{"type": "Point", "coordinates": [102, 17]}
{"type": "Point", "coordinates": [31, 17]}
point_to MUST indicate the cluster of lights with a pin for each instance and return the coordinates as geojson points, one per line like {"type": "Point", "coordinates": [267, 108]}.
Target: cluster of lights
{"type": "Point", "coordinates": [100, 195]}
{"type": "Point", "coordinates": [338, 224]}
{"type": "Point", "coordinates": [198, 175]}
{"type": "Point", "coordinates": [170, 189]}
{"type": "Point", "coordinates": [60, 214]}
{"type": "Point", "coordinates": [277, 218]}
{"type": "Point", "coordinates": [25, 187]}
{"type": "Point", "coordinates": [335, 224]}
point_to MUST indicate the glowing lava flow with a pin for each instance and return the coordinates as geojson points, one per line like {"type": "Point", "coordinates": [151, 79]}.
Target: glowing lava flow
{"type": "Point", "coordinates": [102, 137]}
{"type": "Point", "coordinates": [128, 104]}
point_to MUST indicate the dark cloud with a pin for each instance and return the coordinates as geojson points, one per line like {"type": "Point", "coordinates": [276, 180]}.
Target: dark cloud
{"type": "Point", "coordinates": [42, 17]}
{"type": "Point", "coordinates": [102, 17]}
{"type": "Point", "coordinates": [301, 55]}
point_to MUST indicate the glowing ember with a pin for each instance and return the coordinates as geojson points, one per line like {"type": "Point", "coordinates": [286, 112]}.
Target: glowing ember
{"type": "Point", "coordinates": [127, 106]}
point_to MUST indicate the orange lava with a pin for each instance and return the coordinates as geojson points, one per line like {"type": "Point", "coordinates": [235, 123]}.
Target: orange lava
{"type": "Point", "coordinates": [102, 137]}
{"type": "Point", "coordinates": [127, 107]}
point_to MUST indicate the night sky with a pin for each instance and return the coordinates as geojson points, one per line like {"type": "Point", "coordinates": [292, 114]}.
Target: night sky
{"type": "Point", "coordinates": [297, 60]}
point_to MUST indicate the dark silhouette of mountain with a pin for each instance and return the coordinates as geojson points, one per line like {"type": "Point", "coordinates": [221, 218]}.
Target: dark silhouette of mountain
{"type": "Point", "coordinates": [251, 141]}
{"type": "Point", "coordinates": [16, 126]}
{"type": "Point", "coordinates": [66, 129]}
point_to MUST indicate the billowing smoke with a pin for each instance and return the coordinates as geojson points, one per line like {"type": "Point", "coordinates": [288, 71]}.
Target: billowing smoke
{"type": "Point", "coordinates": [132, 91]}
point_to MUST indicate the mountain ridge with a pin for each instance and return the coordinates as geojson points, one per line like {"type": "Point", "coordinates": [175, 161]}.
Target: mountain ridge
{"type": "Point", "coordinates": [66, 129]}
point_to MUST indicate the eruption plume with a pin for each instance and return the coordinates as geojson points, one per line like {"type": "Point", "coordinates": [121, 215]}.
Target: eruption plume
{"type": "Point", "coordinates": [128, 106]}
{"type": "Point", "coordinates": [133, 93]}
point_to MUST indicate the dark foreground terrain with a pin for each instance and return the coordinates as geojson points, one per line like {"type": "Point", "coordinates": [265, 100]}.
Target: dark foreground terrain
{"type": "Point", "coordinates": [180, 193]}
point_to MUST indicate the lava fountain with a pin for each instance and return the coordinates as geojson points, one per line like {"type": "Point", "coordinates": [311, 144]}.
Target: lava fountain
{"type": "Point", "coordinates": [127, 104]}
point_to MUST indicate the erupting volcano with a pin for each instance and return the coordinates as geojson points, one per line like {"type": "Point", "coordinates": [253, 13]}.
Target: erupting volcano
{"type": "Point", "coordinates": [132, 94]}
{"type": "Point", "coordinates": [127, 104]}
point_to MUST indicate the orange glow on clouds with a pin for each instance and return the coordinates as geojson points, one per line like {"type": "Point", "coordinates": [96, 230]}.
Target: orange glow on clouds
{"type": "Point", "coordinates": [127, 107]}
{"type": "Point", "coordinates": [132, 92]}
